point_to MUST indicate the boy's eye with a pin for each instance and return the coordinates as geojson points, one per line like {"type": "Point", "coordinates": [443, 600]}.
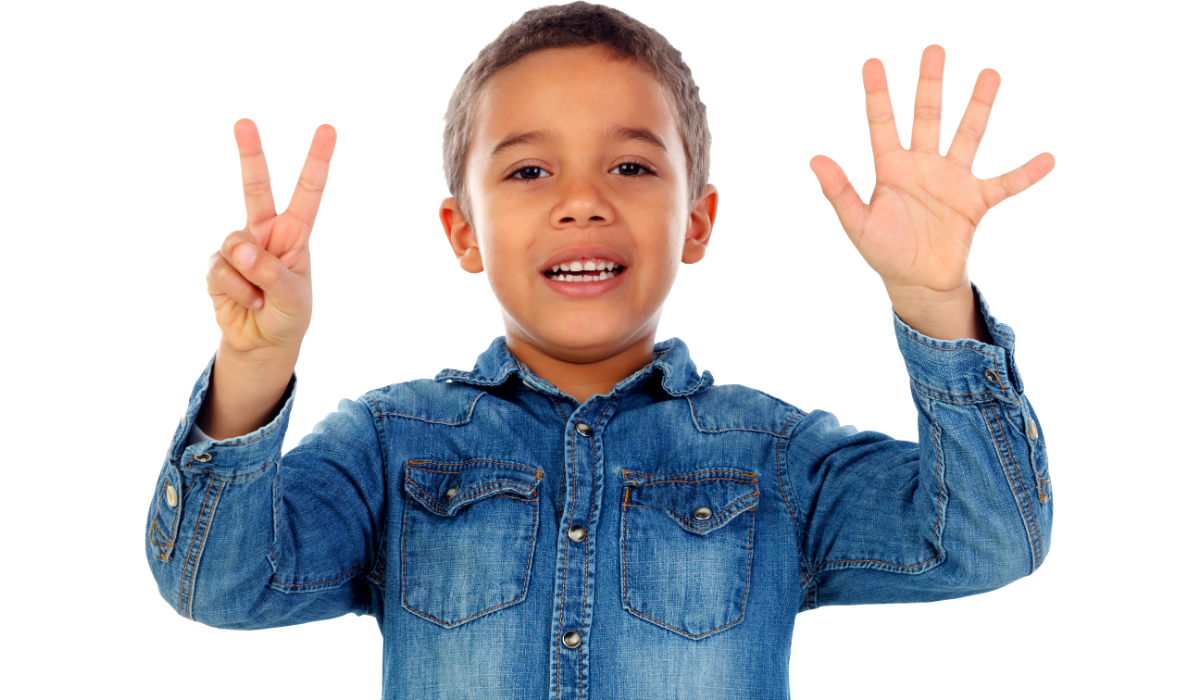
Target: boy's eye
{"type": "Point", "coordinates": [631, 169]}
{"type": "Point", "coordinates": [529, 172]}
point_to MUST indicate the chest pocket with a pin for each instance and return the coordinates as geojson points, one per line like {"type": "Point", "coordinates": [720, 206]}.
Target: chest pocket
{"type": "Point", "coordinates": [686, 545]}
{"type": "Point", "coordinates": [467, 538]}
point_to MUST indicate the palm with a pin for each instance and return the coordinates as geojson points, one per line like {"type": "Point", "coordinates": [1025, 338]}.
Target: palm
{"type": "Point", "coordinates": [918, 227]}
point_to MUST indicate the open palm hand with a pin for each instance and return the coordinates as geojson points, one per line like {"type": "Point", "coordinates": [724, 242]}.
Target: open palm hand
{"type": "Point", "coordinates": [916, 232]}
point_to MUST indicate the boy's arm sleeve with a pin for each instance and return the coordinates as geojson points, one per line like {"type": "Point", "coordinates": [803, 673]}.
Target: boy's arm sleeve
{"type": "Point", "coordinates": [240, 537]}
{"type": "Point", "coordinates": [964, 510]}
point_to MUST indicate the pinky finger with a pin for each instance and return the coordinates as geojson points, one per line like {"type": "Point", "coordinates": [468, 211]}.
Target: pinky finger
{"type": "Point", "coordinates": [224, 279]}
{"type": "Point", "coordinates": [999, 188]}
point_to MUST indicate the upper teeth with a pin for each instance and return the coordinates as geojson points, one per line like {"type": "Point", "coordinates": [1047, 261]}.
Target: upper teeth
{"type": "Point", "coordinates": [581, 265]}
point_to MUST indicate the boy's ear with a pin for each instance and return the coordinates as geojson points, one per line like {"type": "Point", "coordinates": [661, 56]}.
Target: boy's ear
{"type": "Point", "coordinates": [461, 236]}
{"type": "Point", "coordinates": [700, 223]}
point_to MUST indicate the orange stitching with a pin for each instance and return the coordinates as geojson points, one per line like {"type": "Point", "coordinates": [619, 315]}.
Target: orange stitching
{"type": "Point", "coordinates": [876, 561]}
{"type": "Point", "coordinates": [795, 523]}
{"type": "Point", "coordinates": [937, 477]}
{"type": "Point", "coordinates": [702, 471]}
{"type": "Point", "coordinates": [199, 516]}
{"type": "Point", "coordinates": [711, 525]}
{"type": "Point", "coordinates": [318, 583]}
{"type": "Point", "coordinates": [1037, 555]}
{"type": "Point", "coordinates": [207, 529]}
{"type": "Point", "coordinates": [464, 421]}
{"type": "Point", "coordinates": [412, 464]}
{"type": "Point", "coordinates": [423, 496]}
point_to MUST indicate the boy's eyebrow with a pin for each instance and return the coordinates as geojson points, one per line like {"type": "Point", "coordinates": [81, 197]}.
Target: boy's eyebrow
{"type": "Point", "coordinates": [619, 133]}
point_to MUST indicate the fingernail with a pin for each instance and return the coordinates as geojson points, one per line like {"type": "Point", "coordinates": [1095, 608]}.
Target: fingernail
{"type": "Point", "coordinates": [246, 255]}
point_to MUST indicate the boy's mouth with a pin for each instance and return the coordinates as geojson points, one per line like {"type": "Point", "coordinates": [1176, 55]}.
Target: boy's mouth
{"type": "Point", "coordinates": [583, 270]}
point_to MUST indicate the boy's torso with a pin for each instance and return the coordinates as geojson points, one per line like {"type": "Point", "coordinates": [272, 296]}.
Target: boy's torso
{"type": "Point", "coordinates": [526, 540]}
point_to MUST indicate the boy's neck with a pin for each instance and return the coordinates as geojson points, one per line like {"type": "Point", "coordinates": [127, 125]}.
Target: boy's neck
{"type": "Point", "coordinates": [585, 379]}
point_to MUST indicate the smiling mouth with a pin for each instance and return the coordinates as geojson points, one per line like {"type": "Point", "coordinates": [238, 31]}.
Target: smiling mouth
{"type": "Point", "coordinates": [590, 270]}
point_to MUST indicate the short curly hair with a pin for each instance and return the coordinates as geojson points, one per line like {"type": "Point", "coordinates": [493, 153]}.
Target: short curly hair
{"type": "Point", "coordinates": [562, 26]}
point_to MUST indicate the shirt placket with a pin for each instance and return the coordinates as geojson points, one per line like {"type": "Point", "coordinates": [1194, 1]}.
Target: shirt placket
{"type": "Point", "coordinates": [576, 566]}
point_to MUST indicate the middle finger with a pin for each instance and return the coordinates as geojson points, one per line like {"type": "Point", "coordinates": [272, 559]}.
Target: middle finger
{"type": "Point", "coordinates": [927, 115]}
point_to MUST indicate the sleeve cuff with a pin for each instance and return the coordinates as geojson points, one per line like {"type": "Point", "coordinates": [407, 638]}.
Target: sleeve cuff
{"type": "Point", "coordinates": [964, 370]}
{"type": "Point", "coordinates": [195, 451]}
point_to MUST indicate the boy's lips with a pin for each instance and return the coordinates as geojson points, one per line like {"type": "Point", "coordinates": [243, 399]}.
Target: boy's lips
{"type": "Point", "coordinates": [594, 262]}
{"type": "Point", "coordinates": [582, 254]}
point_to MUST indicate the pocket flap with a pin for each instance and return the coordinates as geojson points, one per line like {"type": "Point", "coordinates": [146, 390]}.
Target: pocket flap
{"type": "Point", "coordinates": [700, 502]}
{"type": "Point", "coordinates": [445, 487]}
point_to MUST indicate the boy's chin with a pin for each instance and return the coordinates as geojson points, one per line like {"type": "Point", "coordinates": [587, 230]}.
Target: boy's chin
{"type": "Point", "coordinates": [580, 342]}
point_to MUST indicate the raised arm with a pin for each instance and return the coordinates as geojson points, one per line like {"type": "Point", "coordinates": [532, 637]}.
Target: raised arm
{"type": "Point", "coordinates": [237, 535]}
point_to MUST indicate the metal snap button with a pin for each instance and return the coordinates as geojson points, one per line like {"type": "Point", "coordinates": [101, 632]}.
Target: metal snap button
{"type": "Point", "coordinates": [991, 375]}
{"type": "Point", "coordinates": [576, 533]}
{"type": "Point", "coordinates": [571, 639]}
{"type": "Point", "coordinates": [172, 497]}
{"type": "Point", "coordinates": [451, 491]}
{"type": "Point", "coordinates": [583, 429]}
{"type": "Point", "coordinates": [203, 457]}
{"type": "Point", "coordinates": [702, 513]}
{"type": "Point", "coordinates": [1031, 429]}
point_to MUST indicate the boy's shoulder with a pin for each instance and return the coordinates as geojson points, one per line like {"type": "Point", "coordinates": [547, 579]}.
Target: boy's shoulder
{"type": "Point", "coordinates": [724, 407]}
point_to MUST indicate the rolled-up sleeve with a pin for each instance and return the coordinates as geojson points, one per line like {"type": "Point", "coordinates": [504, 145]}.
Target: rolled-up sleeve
{"type": "Point", "coordinates": [965, 509]}
{"type": "Point", "coordinates": [238, 536]}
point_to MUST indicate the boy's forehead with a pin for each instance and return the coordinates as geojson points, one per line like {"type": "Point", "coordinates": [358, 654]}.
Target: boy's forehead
{"type": "Point", "coordinates": [564, 92]}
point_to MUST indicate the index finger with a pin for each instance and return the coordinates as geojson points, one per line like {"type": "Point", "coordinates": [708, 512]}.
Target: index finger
{"type": "Point", "coordinates": [256, 182]}
{"type": "Point", "coordinates": [307, 196]}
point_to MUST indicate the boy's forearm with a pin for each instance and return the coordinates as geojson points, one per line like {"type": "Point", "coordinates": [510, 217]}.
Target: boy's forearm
{"type": "Point", "coordinates": [948, 316]}
{"type": "Point", "coordinates": [244, 391]}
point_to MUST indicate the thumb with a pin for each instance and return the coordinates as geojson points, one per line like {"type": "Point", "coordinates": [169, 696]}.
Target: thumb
{"type": "Point", "coordinates": [837, 189]}
{"type": "Point", "coordinates": [281, 287]}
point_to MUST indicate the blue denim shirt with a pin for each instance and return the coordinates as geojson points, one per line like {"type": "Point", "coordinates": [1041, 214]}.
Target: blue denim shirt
{"type": "Point", "coordinates": [655, 541]}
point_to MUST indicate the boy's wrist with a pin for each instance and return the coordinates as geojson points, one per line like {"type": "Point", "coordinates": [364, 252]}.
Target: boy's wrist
{"type": "Point", "coordinates": [951, 315]}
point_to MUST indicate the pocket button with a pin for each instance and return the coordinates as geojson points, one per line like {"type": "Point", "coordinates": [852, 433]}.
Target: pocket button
{"type": "Point", "coordinates": [451, 491]}
{"type": "Point", "coordinates": [702, 513]}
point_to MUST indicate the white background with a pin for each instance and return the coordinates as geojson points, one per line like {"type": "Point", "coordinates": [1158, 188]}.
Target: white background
{"type": "Point", "coordinates": [120, 177]}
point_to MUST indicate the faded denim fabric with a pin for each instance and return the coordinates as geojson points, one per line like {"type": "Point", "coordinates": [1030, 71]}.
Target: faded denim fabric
{"type": "Point", "coordinates": [653, 542]}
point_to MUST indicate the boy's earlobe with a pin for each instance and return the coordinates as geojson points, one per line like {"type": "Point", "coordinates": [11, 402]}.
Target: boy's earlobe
{"type": "Point", "coordinates": [461, 236]}
{"type": "Point", "coordinates": [700, 224]}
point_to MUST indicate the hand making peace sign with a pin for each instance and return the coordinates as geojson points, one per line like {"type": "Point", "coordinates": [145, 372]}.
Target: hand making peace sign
{"type": "Point", "coordinates": [260, 280]}
{"type": "Point", "coordinates": [917, 230]}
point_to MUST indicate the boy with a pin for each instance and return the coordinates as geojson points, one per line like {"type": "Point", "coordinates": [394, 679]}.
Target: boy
{"type": "Point", "coordinates": [584, 514]}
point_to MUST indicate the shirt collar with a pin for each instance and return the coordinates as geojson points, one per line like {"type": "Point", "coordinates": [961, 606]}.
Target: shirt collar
{"type": "Point", "coordinates": [672, 361]}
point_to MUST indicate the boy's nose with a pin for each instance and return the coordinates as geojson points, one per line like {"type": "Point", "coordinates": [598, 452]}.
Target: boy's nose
{"type": "Point", "coordinates": [583, 204]}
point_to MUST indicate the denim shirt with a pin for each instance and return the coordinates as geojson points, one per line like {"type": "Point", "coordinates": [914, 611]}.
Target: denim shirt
{"type": "Point", "coordinates": [654, 541]}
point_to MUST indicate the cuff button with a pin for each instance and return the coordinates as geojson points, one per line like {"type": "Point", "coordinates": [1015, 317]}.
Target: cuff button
{"type": "Point", "coordinates": [172, 497]}
{"type": "Point", "coordinates": [991, 376]}
{"type": "Point", "coordinates": [1031, 429]}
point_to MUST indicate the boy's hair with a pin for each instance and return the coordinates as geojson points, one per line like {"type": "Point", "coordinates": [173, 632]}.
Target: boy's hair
{"type": "Point", "coordinates": [577, 24]}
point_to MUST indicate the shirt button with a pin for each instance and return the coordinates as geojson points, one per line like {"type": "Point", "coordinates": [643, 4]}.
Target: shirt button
{"type": "Point", "coordinates": [991, 375]}
{"type": "Point", "coordinates": [576, 533]}
{"type": "Point", "coordinates": [1031, 429]}
{"type": "Point", "coordinates": [702, 513]}
{"type": "Point", "coordinates": [451, 491]}
{"type": "Point", "coordinates": [172, 497]}
{"type": "Point", "coordinates": [203, 457]}
{"type": "Point", "coordinates": [571, 639]}
{"type": "Point", "coordinates": [583, 429]}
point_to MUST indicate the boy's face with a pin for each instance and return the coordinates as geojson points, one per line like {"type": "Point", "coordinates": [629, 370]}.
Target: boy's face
{"type": "Point", "coordinates": [576, 161]}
